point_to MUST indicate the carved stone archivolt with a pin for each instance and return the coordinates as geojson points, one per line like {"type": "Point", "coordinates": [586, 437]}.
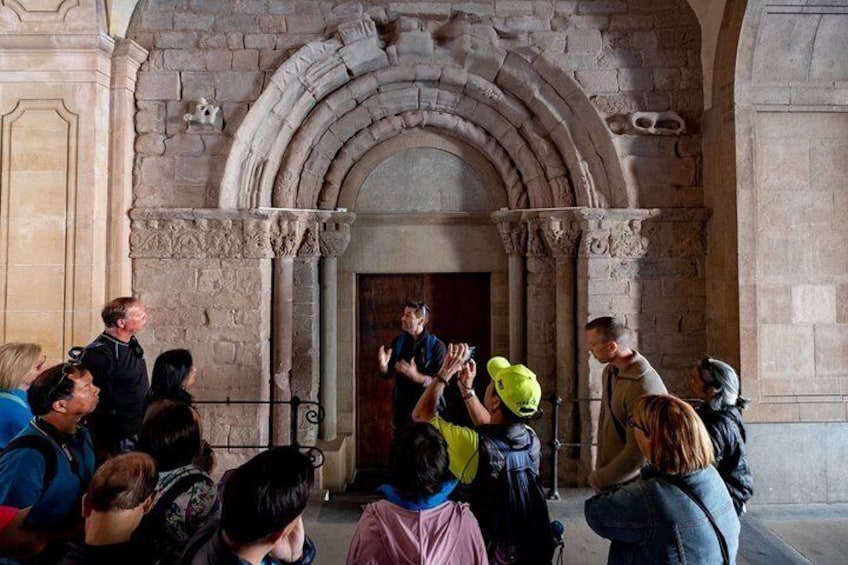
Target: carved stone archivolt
{"type": "Point", "coordinates": [259, 234]}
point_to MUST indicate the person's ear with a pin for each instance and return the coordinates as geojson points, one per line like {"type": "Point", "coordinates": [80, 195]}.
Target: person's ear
{"type": "Point", "coordinates": [59, 406]}
{"type": "Point", "coordinates": [86, 506]}
{"type": "Point", "coordinates": [148, 502]}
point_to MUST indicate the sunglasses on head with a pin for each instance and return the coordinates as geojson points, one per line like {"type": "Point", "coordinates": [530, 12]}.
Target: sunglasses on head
{"type": "Point", "coordinates": [707, 365]}
{"type": "Point", "coordinates": [69, 368]}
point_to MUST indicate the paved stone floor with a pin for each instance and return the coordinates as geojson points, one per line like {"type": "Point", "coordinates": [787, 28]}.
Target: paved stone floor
{"type": "Point", "coordinates": [771, 534]}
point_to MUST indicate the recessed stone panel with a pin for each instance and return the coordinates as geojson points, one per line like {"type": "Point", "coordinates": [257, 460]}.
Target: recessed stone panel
{"type": "Point", "coordinates": [786, 350]}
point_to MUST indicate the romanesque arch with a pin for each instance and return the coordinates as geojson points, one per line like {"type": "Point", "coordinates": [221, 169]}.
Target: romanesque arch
{"type": "Point", "coordinates": [333, 100]}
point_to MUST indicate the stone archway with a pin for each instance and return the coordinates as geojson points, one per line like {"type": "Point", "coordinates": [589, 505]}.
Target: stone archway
{"type": "Point", "coordinates": [334, 99]}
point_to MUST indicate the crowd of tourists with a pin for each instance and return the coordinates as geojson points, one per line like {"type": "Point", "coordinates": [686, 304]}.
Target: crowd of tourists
{"type": "Point", "coordinates": [101, 464]}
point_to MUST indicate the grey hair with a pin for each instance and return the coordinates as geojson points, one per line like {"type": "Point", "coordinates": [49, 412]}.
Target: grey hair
{"type": "Point", "coordinates": [722, 382]}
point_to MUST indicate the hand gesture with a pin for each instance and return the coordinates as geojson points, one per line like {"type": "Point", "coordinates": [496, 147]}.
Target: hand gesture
{"type": "Point", "coordinates": [289, 547]}
{"type": "Point", "coordinates": [383, 356]}
{"type": "Point", "coordinates": [467, 373]}
{"type": "Point", "coordinates": [407, 368]}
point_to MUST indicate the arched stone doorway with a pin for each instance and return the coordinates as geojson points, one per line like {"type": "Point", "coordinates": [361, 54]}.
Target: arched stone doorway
{"type": "Point", "coordinates": [313, 139]}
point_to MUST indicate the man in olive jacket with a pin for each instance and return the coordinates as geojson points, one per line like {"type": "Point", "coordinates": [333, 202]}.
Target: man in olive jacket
{"type": "Point", "coordinates": [627, 376]}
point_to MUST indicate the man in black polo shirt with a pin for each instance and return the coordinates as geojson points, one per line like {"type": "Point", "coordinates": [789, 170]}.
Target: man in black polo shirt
{"type": "Point", "coordinates": [116, 361]}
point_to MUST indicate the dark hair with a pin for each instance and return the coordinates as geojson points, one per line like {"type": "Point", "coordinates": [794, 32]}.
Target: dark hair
{"type": "Point", "coordinates": [116, 309]}
{"type": "Point", "coordinates": [418, 460]}
{"type": "Point", "coordinates": [170, 372]}
{"type": "Point", "coordinates": [421, 310]}
{"type": "Point", "coordinates": [123, 482]}
{"type": "Point", "coordinates": [610, 329]}
{"type": "Point", "coordinates": [266, 494]}
{"type": "Point", "coordinates": [170, 433]}
{"type": "Point", "coordinates": [55, 383]}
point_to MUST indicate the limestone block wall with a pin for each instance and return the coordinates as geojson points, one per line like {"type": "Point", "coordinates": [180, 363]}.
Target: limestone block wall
{"type": "Point", "coordinates": [65, 184]}
{"type": "Point", "coordinates": [792, 134]}
{"type": "Point", "coordinates": [205, 277]}
{"type": "Point", "coordinates": [627, 57]}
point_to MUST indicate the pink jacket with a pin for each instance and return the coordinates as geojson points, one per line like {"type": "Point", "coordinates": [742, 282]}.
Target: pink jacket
{"type": "Point", "coordinates": [390, 535]}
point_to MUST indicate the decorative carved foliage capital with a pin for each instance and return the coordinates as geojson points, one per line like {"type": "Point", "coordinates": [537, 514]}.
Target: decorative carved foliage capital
{"type": "Point", "coordinates": [536, 246]}
{"type": "Point", "coordinates": [309, 243]}
{"type": "Point", "coordinates": [562, 235]}
{"type": "Point", "coordinates": [286, 237]}
{"type": "Point", "coordinates": [514, 237]}
{"type": "Point", "coordinates": [626, 240]}
{"type": "Point", "coordinates": [334, 239]}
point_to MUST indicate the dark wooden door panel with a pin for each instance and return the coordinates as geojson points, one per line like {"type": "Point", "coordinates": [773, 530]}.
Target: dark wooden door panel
{"type": "Point", "coordinates": [460, 311]}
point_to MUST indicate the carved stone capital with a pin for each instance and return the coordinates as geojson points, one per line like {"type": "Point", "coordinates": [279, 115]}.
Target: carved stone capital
{"type": "Point", "coordinates": [334, 239]}
{"type": "Point", "coordinates": [286, 237]}
{"type": "Point", "coordinates": [514, 236]}
{"type": "Point", "coordinates": [536, 246]}
{"type": "Point", "coordinates": [562, 235]}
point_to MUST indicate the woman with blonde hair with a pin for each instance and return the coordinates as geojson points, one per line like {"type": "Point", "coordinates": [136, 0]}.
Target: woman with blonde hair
{"type": "Point", "coordinates": [679, 511]}
{"type": "Point", "coordinates": [20, 363]}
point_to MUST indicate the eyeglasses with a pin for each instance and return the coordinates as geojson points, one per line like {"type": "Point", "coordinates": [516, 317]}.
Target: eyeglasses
{"type": "Point", "coordinates": [707, 365]}
{"type": "Point", "coordinates": [632, 424]}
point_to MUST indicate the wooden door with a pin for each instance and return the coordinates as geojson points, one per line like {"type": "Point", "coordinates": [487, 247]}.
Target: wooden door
{"type": "Point", "coordinates": [460, 308]}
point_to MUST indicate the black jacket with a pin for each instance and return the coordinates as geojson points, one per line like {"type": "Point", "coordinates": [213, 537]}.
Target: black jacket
{"type": "Point", "coordinates": [727, 432]}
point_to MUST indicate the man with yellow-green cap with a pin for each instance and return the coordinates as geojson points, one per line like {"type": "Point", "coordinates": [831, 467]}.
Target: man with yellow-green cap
{"type": "Point", "coordinates": [497, 462]}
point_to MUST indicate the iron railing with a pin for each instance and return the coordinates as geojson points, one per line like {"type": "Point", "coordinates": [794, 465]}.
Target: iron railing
{"type": "Point", "coordinates": [314, 415]}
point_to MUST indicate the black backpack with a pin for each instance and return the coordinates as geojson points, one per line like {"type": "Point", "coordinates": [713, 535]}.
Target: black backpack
{"type": "Point", "coordinates": [518, 527]}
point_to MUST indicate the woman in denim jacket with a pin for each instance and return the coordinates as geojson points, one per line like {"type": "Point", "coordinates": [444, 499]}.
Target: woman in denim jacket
{"type": "Point", "coordinates": [652, 520]}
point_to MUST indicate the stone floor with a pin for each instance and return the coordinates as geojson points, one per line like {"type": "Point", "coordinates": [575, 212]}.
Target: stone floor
{"type": "Point", "coordinates": [771, 534]}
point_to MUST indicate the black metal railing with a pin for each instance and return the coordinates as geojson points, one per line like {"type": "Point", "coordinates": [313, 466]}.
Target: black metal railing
{"type": "Point", "coordinates": [556, 445]}
{"type": "Point", "coordinates": [314, 415]}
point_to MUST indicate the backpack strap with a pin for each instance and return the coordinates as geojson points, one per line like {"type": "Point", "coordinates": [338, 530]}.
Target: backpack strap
{"type": "Point", "coordinates": [16, 399]}
{"type": "Point", "coordinates": [42, 445]}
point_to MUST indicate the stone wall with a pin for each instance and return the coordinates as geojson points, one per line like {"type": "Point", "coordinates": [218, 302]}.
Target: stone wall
{"type": "Point", "coordinates": [792, 135]}
{"type": "Point", "coordinates": [66, 109]}
{"type": "Point", "coordinates": [625, 57]}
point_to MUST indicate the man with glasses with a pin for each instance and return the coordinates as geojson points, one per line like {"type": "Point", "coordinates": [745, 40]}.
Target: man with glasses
{"type": "Point", "coordinates": [116, 361]}
{"type": "Point", "coordinates": [47, 467]}
{"type": "Point", "coordinates": [627, 376]}
{"type": "Point", "coordinates": [413, 358]}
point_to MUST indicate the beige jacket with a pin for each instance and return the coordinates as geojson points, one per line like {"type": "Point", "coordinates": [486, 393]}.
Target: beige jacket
{"type": "Point", "coordinates": [619, 460]}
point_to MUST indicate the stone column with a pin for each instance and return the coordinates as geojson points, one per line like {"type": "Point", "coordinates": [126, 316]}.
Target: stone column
{"type": "Point", "coordinates": [285, 240]}
{"type": "Point", "coordinates": [562, 234]}
{"type": "Point", "coordinates": [333, 238]}
{"type": "Point", "coordinates": [514, 235]}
